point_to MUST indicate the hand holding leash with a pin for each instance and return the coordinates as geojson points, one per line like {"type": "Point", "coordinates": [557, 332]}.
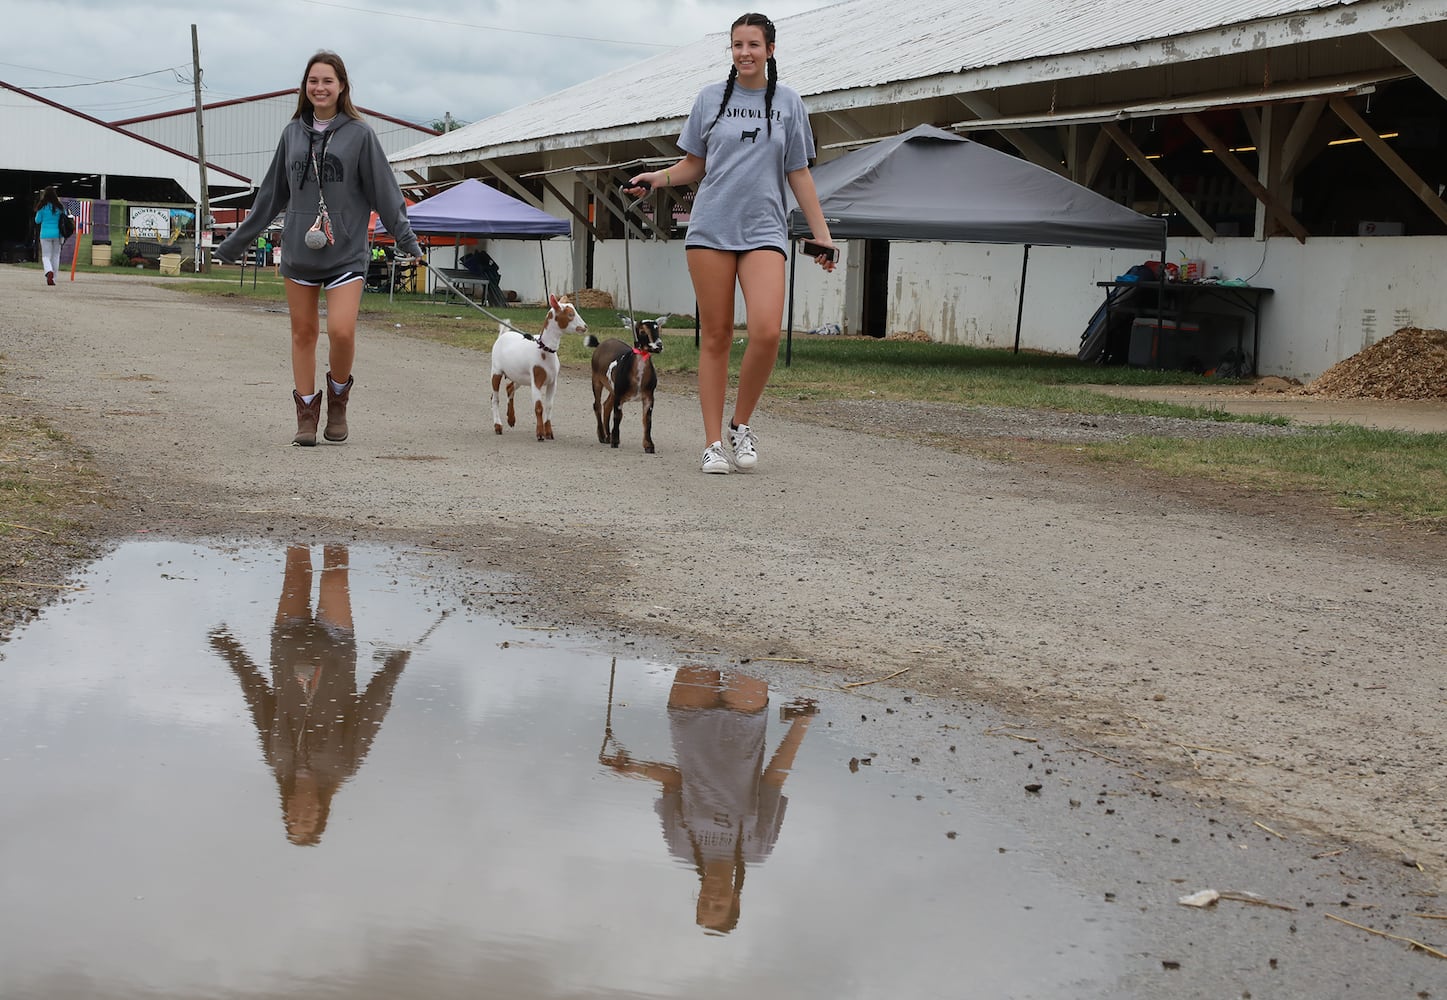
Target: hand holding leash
{"type": "Point", "coordinates": [639, 188]}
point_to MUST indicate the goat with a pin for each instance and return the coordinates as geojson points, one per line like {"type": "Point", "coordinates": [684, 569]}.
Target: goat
{"type": "Point", "coordinates": [621, 372]}
{"type": "Point", "coordinates": [519, 358]}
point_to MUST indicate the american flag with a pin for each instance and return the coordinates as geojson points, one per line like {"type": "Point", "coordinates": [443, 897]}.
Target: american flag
{"type": "Point", "coordinates": [79, 208]}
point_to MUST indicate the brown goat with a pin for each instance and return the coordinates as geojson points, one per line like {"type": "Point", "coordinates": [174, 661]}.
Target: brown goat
{"type": "Point", "coordinates": [622, 372]}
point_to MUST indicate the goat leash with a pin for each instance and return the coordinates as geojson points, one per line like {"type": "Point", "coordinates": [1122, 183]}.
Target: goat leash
{"type": "Point", "coordinates": [627, 264]}
{"type": "Point", "coordinates": [463, 295]}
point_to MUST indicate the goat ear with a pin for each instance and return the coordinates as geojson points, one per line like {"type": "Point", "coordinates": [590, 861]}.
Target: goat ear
{"type": "Point", "coordinates": [552, 301]}
{"type": "Point", "coordinates": [661, 320]}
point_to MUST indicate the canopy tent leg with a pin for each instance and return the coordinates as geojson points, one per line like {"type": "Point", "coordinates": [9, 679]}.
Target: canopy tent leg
{"type": "Point", "coordinates": [1020, 309]}
{"type": "Point", "coordinates": [793, 266]}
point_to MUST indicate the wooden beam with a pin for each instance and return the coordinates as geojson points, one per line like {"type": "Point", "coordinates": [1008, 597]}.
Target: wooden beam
{"type": "Point", "coordinates": [846, 124]}
{"type": "Point", "coordinates": [604, 198]}
{"type": "Point", "coordinates": [1230, 161]}
{"type": "Point", "coordinates": [1028, 147]}
{"type": "Point", "coordinates": [1253, 125]}
{"type": "Point", "coordinates": [1414, 57]}
{"type": "Point", "coordinates": [512, 184]}
{"type": "Point", "coordinates": [1293, 149]}
{"type": "Point", "coordinates": [1387, 155]}
{"type": "Point", "coordinates": [1096, 160]}
{"type": "Point", "coordinates": [568, 204]}
{"type": "Point", "coordinates": [1134, 154]}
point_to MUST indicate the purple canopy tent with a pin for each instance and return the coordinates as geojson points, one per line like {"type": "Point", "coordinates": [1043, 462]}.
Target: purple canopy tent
{"type": "Point", "coordinates": [471, 208]}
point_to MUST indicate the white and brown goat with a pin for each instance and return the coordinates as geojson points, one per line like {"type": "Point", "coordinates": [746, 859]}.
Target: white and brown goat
{"type": "Point", "coordinates": [518, 358]}
{"type": "Point", "coordinates": [622, 372]}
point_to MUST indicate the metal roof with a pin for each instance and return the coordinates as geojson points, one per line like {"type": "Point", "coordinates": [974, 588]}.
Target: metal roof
{"type": "Point", "coordinates": [44, 136]}
{"type": "Point", "coordinates": [867, 52]}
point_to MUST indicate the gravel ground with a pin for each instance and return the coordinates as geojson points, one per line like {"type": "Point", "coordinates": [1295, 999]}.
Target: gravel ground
{"type": "Point", "coordinates": [1255, 649]}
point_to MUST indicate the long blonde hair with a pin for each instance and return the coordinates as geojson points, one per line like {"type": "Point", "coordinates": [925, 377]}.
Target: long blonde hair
{"type": "Point", "coordinates": [344, 101]}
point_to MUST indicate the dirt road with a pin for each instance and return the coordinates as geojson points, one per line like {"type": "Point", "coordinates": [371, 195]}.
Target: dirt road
{"type": "Point", "coordinates": [1252, 649]}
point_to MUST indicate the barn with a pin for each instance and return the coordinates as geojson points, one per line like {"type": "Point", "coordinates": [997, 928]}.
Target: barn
{"type": "Point", "coordinates": [1293, 144]}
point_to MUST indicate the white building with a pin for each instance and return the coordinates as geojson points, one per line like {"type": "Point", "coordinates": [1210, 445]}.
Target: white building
{"type": "Point", "coordinates": [241, 135]}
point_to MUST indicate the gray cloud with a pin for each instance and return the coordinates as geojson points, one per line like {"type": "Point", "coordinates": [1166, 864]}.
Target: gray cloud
{"type": "Point", "coordinates": [436, 57]}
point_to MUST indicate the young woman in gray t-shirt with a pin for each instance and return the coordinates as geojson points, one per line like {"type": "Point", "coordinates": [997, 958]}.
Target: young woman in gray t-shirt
{"type": "Point", "coordinates": [744, 140]}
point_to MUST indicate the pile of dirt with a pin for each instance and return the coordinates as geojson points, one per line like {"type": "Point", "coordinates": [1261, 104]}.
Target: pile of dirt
{"type": "Point", "coordinates": [1410, 364]}
{"type": "Point", "coordinates": [592, 298]}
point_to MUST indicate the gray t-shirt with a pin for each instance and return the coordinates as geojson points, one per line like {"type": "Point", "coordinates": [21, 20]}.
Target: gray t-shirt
{"type": "Point", "coordinates": [722, 809]}
{"type": "Point", "coordinates": [740, 201]}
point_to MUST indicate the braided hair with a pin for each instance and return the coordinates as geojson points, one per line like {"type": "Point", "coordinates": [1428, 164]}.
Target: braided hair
{"type": "Point", "coordinates": [755, 21]}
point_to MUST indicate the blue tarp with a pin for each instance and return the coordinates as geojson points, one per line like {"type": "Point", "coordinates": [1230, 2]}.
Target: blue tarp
{"type": "Point", "coordinates": [471, 208]}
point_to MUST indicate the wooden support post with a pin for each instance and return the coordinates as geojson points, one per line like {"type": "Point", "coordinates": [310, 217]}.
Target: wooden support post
{"type": "Point", "coordinates": [1238, 169]}
{"type": "Point", "coordinates": [1134, 154]}
{"type": "Point", "coordinates": [1387, 155]}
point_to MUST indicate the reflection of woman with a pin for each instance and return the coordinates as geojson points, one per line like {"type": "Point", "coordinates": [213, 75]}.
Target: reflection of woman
{"type": "Point", "coordinates": [721, 807]}
{"type": "Point", "coordinates": [315, 729]}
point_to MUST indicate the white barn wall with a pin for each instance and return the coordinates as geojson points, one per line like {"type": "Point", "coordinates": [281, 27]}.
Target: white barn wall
{"type": "Point", "coordinates": [1332, 296]}
{"type": "Point", "coordinates": [522, 265]}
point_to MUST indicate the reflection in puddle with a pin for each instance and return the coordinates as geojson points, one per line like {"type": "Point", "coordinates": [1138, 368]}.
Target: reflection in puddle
{"type": "Point", "coordinates": [448, 823]}
{"type": "Point", "coordinates": [721, 806]}
{"type": "Point", "coordinates": [314, 727]}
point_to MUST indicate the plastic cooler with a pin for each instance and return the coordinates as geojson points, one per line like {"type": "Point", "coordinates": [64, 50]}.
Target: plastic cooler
{"type": "Point", "coordinates": [1164, 343]}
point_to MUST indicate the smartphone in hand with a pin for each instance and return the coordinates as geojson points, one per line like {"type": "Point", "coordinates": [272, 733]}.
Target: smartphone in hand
{"type": "Point", "coordinates": [812, 249]}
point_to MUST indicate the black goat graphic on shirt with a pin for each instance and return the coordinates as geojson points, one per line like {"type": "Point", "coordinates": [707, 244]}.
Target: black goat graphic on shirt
{"type": "Point", "coordinates": [751, 135]}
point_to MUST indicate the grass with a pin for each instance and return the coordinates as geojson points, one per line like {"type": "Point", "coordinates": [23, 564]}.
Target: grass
{"type": "Point", "coordinates": [44, 479]}
{"type": "Point", "coordinates": [1396, 473]}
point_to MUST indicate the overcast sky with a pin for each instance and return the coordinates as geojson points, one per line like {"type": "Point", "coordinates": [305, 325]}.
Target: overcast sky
{"type": "Point", "coordinates": [415, 60]}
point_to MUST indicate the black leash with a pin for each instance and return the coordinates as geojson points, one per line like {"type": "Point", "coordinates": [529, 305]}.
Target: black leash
{"type": "Point", "coordinates": [628, 264]}
{"type": "Point", "coordinates": [465, 298]}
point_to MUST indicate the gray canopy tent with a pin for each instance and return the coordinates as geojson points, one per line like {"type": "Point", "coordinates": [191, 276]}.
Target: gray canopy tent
{"type": "Point", "coordinates": [931, 185]}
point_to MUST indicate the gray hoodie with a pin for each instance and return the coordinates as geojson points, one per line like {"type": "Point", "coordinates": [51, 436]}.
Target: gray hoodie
{"type": "Point", "coordinates": [357, 180]}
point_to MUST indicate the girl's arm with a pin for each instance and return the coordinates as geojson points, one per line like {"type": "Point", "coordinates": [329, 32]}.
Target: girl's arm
{"type": "Point", "coordinates": [801, 182]}
{"type": "Point", "coordinates": [271, 200]}
{"type": "Point", "coordinates": [686, 171]}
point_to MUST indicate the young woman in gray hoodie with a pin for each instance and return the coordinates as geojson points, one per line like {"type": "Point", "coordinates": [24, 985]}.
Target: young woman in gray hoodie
{"type": "Point", "coordinates": [329, 174]}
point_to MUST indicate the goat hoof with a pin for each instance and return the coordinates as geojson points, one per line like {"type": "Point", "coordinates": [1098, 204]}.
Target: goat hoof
{"type": "Point", "coordinates": [497, 428]}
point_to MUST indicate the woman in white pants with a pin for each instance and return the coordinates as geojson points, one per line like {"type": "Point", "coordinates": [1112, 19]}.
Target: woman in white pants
{"type": "Point", "coordinates": [48, 211]}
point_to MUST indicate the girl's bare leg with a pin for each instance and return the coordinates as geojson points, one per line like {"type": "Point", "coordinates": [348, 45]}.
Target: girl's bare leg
{"type": "Point", "coordinates": [301, 304]}
{"type": "Point", "coordinates": [714, 273]}
{"type": "Point", "coordinates": [761, 276]}
{"type": "Point", "coordinates": [342, 306]}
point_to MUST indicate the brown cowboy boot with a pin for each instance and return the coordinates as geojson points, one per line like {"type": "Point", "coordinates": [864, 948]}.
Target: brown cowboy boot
{"type": "Point", "coordinates": [337, 410]}
{"type": "Point", "coordinates": [307, 415]}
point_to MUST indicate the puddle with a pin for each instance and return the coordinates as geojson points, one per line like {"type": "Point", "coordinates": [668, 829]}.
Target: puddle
{"type": "Point", "coordinates": [362, 788]}
{"type": "Point", "coordinates": [294, 772]}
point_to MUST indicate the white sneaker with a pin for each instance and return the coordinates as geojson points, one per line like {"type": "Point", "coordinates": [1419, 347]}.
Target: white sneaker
{"type": "Point", "coordinates": [743, 441]}
{"type": "Point", "coordinates": [715, 461]}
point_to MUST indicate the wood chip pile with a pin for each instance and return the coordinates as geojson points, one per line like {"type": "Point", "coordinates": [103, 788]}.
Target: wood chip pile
{"type": "Point", "coordinates": [1410, 364]}
{"type": "Point", "coordinates": [592, 298]}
